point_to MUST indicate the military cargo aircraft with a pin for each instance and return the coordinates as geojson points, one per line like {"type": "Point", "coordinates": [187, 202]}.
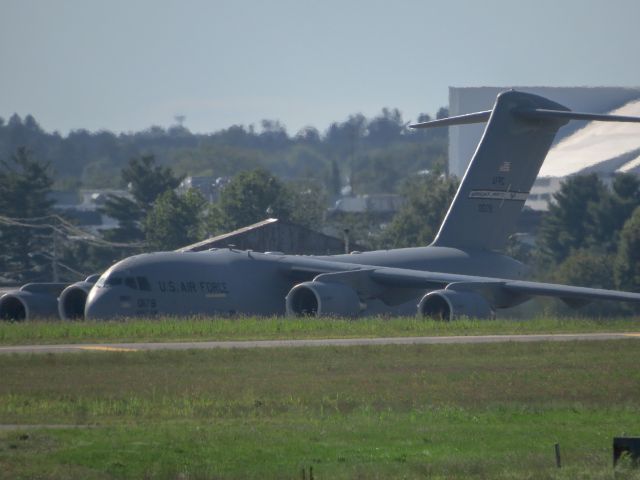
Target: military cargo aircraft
{"type": "Point", "coordinates": [460, 274]}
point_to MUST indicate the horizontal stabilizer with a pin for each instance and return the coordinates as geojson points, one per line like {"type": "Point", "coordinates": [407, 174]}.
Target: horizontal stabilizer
{"type": "Point", "coordinates": [546, 114]}
{"type": "Point", "coordinates": [528, 114]}
{"type": "Point", "coordinates": [477, 117]}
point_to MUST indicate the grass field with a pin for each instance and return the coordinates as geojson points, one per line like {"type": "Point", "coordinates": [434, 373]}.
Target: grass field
{"type": "Point", "coordinates": [424, 411]}
{"type": "Point", "coordinates": [253, 328]}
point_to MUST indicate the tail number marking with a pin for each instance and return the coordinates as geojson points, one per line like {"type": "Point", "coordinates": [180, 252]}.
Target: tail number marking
{"type": "Point", "coordinates": [498, 195]}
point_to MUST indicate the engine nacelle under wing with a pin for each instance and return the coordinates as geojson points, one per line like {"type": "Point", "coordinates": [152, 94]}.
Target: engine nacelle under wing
{"type": "Point", "coordinates": [33, 300]}
{"type": "Point", "coordinates": [320, 298]}
{"type": "Point", "coordinates": [74, 298]}
{"type": "Point", "coordinates": [451, 304]}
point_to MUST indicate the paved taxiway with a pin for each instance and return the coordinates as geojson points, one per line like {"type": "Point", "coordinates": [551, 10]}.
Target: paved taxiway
{"type": "Point", "coordinates": [335, 342]}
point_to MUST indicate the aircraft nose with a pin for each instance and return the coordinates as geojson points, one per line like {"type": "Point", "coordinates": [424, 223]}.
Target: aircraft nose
{"type": "Point", "coordinates": [100, 305]}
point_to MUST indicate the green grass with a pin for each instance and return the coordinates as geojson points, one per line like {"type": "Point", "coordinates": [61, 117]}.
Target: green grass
{"type": "Point", "coordinates": [252, 328]}
{"type": "Point", "coordinates": [431, 444]}
{"type": "Point", "coordinates": [423, 411]}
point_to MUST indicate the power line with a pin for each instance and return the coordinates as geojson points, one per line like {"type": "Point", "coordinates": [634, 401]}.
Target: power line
{"type": "Point", "coordinates": [57, 228]}
{"type": "Point", "coordinates": [66, 229]}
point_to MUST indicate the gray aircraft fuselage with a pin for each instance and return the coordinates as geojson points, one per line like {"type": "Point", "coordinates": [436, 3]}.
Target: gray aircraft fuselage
{"type": "Point", "coordinates": [227, 281]}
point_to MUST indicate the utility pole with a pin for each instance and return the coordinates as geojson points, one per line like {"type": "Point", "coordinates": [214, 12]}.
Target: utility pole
{"type": "Point", "coordinates": [346, 240]}
{"type": "Point", "coordinates": [54, 257]}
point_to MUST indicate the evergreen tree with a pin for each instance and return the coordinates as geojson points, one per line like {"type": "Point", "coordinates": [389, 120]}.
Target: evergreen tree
{"type": "Point", "coordinates": [250, 197]}
{"type": "Point", "coordinates": [570, 219]}
{"type": "Point", "coordinates": [427, 198]}
{"type": "Point", "coordinates": [627, 262]}
{"type": "Point", "coordinates": [334, 181]}
{"type": "Point", "coordinates": [610, 214]}
{"type": "Point", "coordinates": [146, 182]}
{"type": "Point", "coordinates": [385, 128]}
{"type": "Point", "coordinates": [174, 221]}
{"type": "Point", "coordinates": [307, 202]}
{"type": "Point", "coordinates": [129, 216]}
{"type": "Point", "coordinates": [25, 185]}
{"type": "Point", "coordinates": [309, 135]}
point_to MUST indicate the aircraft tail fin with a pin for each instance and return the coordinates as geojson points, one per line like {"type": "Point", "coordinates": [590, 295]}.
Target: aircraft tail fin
{"type": "Point", "coordinates": [520, 130]}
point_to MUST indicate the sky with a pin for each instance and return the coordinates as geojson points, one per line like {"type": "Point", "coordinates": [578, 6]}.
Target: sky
{"type": "Point", "coordinates": [125, 65]}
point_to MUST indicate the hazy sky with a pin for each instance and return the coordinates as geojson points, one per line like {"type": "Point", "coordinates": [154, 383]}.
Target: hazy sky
{"type": "Point", "coordinates": [125, 65]}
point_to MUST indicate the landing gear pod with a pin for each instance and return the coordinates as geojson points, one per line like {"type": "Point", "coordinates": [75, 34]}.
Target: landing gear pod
{"type": "Point", "coordinates": [319, 298]}
{"type": "Point", "coordinates": [448, 305]}
{"type": "Point", "coordinates": [73, 299]}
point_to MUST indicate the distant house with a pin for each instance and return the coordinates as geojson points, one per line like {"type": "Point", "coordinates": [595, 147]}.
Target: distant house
{"type": "Point", "coordinates": [382, 203]}
{"type": "Point", "coordinates": [83, 207]}
{"type": "Point", "coordinates": [209, 186]}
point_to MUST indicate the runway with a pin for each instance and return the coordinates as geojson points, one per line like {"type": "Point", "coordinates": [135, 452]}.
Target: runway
{"type": "Point", "coordinates": [333, 342]}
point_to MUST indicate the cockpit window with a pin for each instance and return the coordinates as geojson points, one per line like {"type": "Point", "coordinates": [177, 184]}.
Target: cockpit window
{"type": "Point", "coordinates": [143, 283]}
{"type": "Point", "coordinates": [113, 281]}
{"type": "Point", "coordinates": [134, 283]}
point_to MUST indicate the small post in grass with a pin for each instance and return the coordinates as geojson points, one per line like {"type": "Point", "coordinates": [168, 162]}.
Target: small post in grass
{"type": "Point", "coordinates": [304, 473]}
{"type": "Point", "coordinates": [558, 462]}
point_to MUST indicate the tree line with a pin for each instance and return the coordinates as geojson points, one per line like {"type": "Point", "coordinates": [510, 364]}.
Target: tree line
{"type": "Point", "coordinates": [369, 154]}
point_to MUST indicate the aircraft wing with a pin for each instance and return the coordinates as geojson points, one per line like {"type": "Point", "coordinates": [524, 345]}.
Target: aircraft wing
{"type": "Point", "coordinates": [568, 292]}
{"type": "Point", "coordinates": [498, 291]}
{"type": "Point", "coordinates": [395, 286]}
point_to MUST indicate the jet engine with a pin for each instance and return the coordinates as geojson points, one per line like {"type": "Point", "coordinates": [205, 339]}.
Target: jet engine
{"type": "Point", "coordinates": [319, 298]}
{"type": "Point", "coordinates": [73, 299]}
{"type": "Point", "coordinates": [450, 304]}
{"type": "Point", "coordinates": [33, 300]}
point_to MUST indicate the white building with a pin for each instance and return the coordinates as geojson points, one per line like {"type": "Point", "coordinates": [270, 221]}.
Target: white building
{"type": "Point", "coordinates": [381, 203]}
{"type": "Point", "coordinates": [209, 186]}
